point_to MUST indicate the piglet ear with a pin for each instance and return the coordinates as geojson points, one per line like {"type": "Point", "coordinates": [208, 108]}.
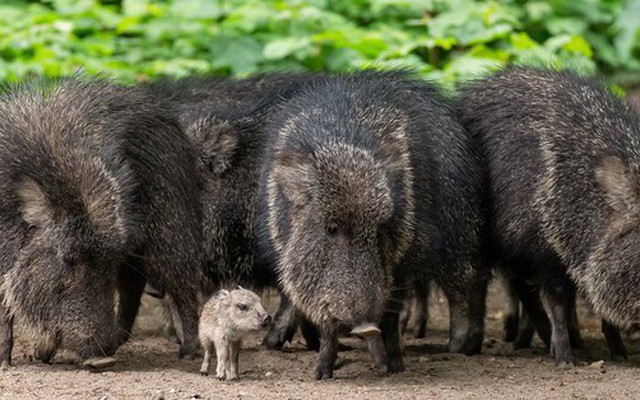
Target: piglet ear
{"type": "Point", "coordinates": [223, 293]}
{"type": "Point", "coordinates": [619, 184]}
{"type": "Point", "coordinates": [294, 172]}
{"type": "Point", "coordinates": [34, 204]}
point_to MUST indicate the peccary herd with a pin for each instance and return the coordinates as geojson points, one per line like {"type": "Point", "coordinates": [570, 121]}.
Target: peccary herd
{"type": "Point", "coordinates": [343, 192]}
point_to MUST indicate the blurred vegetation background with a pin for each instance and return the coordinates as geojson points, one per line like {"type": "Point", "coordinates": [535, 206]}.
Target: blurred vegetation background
{"type": "Point", "coordinates": [450, 40]}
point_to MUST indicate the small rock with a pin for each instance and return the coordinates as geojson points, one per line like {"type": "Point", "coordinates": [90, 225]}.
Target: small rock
{"type": "Point", "coordinates": [268, 374]}
{"type": "Point", "coordinates": [172, 391]}
{"type": "Point", "coordinates": [159, 396]}
{"type": "Point", "coordinates": [598, 365]}
{"type": "Point", "coordinates": [100, 363]}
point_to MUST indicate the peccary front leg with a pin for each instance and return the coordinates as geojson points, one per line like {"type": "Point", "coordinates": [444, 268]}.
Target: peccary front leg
{"type": "Point", "coordinates": [328, 354]}
{"type": "Point", "coordinates": [377, 350]}
{"type": "Point", "coordinates": [533, 316]}
{"type": "Point", "coordinates": [390, 332]}
{"type": "Point", "coordinates": [131, 285]}
{"type": "Point", "coordinates": [556, 299]}
{"type": "Point", "coordinates": [310, 334]}
{"type": "Point", "coordinates": [466, 315]}
{"type": "Point", "coordinates": [223, 354]}
{"type": "Point", "coordinates": [574, 326]}
{"type": "Point", "coordinates": [206, 363]}
{"type": "Point", "coordinates": [232, 367]}
{"type": "Point", "coordinates": [614, 341]}
{"type": "Point", "coordinates": [6, 337]}
{"type": "Point", "coordinates": [187, 308]}
{"type": "Point", "coordinates": [284, 325]}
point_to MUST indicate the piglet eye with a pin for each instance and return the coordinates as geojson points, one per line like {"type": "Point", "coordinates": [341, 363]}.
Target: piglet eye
{"type": "Point", "coordinates": [243, 307]}
{"type": "Point", "coordinates": [331, 228]}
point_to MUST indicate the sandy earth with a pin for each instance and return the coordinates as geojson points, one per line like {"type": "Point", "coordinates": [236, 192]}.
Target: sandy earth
{"type": "Point", "coordinates": [148, 368]}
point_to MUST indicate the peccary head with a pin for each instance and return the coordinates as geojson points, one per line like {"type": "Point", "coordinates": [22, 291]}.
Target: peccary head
{"type": "Point", "coordinates": [63, 279]}
{"type": "Point", "coordinates": [242, 310]}
{"type": "Point", "coordinates": [612, 277]}
{"type": "Point", "coordinates": [69, 201]}
{"type": "Point", "coordinates": [340, 210]}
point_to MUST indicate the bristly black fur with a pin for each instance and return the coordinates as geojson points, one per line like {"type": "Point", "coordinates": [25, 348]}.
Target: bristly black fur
{"type": "Point", "coordinates": [369, 181]}
{"type": "Point", "coordinates": [562, 156]}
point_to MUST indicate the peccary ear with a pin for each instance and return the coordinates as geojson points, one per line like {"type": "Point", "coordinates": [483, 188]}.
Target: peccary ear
{"type": "Point", "coordinates": [35, 206]}
{"type": "Point", "coordinates": [294, 171]}
{"type": "Point", "coordinates": [218, 148]}
{"type": "Point", "coordinates": [619, 184]}
{"type": "Point", "coordinates": [223, 295]}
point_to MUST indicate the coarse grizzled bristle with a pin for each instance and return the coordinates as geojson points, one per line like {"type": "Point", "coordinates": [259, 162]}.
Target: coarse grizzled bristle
{"type": "Point", "coordinates": [563, 158]}
{"type": "Point", "coordinates": [369, 182]}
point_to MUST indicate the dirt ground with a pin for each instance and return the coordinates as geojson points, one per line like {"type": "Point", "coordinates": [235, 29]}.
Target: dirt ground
{"type": "Point", "coordinates": [148, 368]}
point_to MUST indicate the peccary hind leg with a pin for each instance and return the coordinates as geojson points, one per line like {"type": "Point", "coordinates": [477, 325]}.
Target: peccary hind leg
{"type": "Point", "coordinates": [533, 316]}
{"type": "Point", "coordinates": [206, 362]}
{"type": "Point", "coordinates": [512, 317]}
{"type": "Point", "coordinates": [422, 310]}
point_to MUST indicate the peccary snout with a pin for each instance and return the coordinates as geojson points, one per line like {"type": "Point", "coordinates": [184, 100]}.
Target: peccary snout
{"type": "Point", "coordinates": [366, 329]}
{"type": "Point", "coordinates": [266, 320]}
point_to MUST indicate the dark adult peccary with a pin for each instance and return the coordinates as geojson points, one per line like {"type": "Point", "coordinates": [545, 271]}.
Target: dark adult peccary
{"type": "Point", "coordinates": [563, 155]}
{"type": "Point", "coordinates": [369, 182]}
{"type": "Point", "coordinates": [222, 118]}
{"type": "Point", "coordinates": [96, 182]}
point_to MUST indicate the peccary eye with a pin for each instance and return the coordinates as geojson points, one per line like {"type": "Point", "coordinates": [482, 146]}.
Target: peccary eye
{"type": "Point", "coordinates": [70, 261]}
{"type": "Point", "coordinates": [331, 228]}
{"type": "Point", "coordinates": [243, 307]}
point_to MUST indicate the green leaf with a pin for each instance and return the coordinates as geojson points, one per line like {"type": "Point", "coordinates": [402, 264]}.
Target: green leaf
{"type": "Point", "coordinates": [239, 54]}
{"type": "Point", "coordinates": [281, 48]}
{"type": "Point", "coordinates": [628, 24]}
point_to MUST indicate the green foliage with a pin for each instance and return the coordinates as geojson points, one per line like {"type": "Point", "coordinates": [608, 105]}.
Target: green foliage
{"type": "Point", "coordinates": [450, 40]}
